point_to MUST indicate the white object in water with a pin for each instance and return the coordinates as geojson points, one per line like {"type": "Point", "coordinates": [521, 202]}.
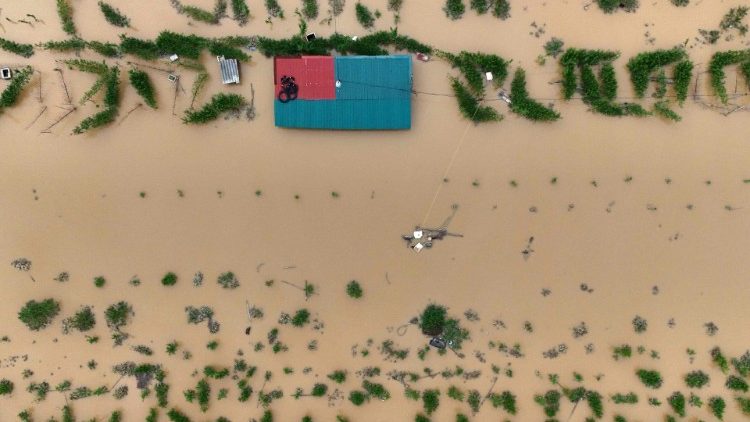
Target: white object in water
{"type": "Point", "coordinates": [489, 76]}
{"type": "Point", "coordinates": [338, 84]}
{"type": "Point", "coordinates": [5, 73]}
{"type": "Point", "coordinates": [418, 247]}
{"type": "Point", "coordinates": [354, 38]}
{"type": "Point", "coordinates": [418, 234]}
{"type": "Point", "coordinates": [230, 70]}
{"type": "Point", "coordinates": [172, 77]}
{"type": "Point", "coordinates": [174, 58]}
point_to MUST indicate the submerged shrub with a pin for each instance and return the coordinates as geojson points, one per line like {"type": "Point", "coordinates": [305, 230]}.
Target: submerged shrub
{"type": "Point", "coordinates": [72, 44]}
{"type": "Point", "coordinates": [219, 103]}
{"type": "Point", "coordinates": [274, 9]}
{"type": "Point", "coordinates": [354, 290]}
{"type": "Point", "coordinates": [610, 6]}
{"type": "Point", "coordinates": [142, 84]}
{"type": "Point", "coordinates": [23, 50]}
{"type": "Point", "coordinates": [144, 49]}
{"type": "Point", "coordinates": [677, 403]}
{"type": "Point", "coordinates": [310, 9]}
{"type": "Point", "coordinates": [718, 62]}
{"type": "Point", "coordinates": [65, 12]}
{"type": "Point", "coordinates": [183, 45]}
{"type": "Point", "coordinates": [696, 379]}
{"type": "Point", "coordinates": [169, 279]}
{"type": "Point", "coordinates": [83, 320]}
{"type": "Point", "coordinates": [470, 107]}
{"type": "Point", "coordinates": [501, 9]}
{"type": "Point", "coordinates": [433, 318]}
{"type": "Point", "coordinates": [6, 387]}
{"type": "Point", "coordinates": [430, 400]}
{"type": "Point", "coordinates": [300, 318]}
{"type": "Point", "coordinates": [717, 406]}
{"type": "Point", "coordinates": [651, 379]}
{"type": "Point", "coordinates": [364, 16]}
{"type": "Point", "coordinates": [10, 94]}
{"type": "Point", "coordinates": [736, 383]}
{"type": "Point", "coordinates": [523, 105]}
{"type": "Point", "coordinates": [113, 15]}
{"type": "Point", "coordinates": [38, 315]}
{"type": "Point", "coordinates": [454, 9]}
{"type": "Point", "coordinates": [227, 279]}
{"type": "Point", "coordinates": [106, 49]}
{"type": "Point", "coordinates": [240, 12]}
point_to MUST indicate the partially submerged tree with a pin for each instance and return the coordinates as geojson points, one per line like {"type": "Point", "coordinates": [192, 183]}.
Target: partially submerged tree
{"type": "Point", "coordinates": [38, 315]}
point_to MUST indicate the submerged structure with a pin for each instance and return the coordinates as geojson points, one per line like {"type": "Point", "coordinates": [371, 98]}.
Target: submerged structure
{"type": "Point", "coordinates": [230, 70]}
{"type": "Point", "coordinates": [343, 92]}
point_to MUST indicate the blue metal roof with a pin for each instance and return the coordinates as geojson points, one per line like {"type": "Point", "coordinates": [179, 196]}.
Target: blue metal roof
{"type": "Point", "coordinates": [374, 94]}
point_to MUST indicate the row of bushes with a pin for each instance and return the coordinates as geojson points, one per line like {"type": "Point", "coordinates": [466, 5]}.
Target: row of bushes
{"type": "Point", "coordinates": [220, 103]}
{"type": "Point", "coordinates": [523, 105]}
{"type": "Point", "coordinates": [454, 9]}
{"type": "Point", "coordinates": [189, 46]}
{"type": "Point", "coordinates": [113, 15]}
{"type": "Point", "coordinates": [142, 84]}
{"type": "Point", "coordinates": [716, 68]}
{"type": "Point", "coordinates": [469, 104]}
{"type": "Point", "coordinates": [10, 94]}
{"type": "Point", "coordinates": [473, 66]}
{"type": "Point", "coordinates": [109, 80]}
{"type": "Point", "coordinates": [369, 45]}
{"type": "Point", "coordinates": [23, 50]}
{"type": "Point", "coordinates": [642, 65]}
{"type": "Point", "coordinates": [65, 12]}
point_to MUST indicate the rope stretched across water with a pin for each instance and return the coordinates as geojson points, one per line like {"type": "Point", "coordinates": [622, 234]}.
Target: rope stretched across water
{"type": "Point", "coordinates": [450, 164]}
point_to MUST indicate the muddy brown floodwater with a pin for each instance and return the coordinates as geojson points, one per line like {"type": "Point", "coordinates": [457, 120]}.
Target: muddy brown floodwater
{"type": "Point", "coordinates": [72, 203]}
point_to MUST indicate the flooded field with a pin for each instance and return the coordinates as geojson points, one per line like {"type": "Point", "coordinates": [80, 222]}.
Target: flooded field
{"type": "Point", "coordinates": [639, 231]}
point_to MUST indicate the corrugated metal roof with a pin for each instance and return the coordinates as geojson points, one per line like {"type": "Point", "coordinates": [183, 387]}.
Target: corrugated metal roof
{"type": "Point", "coordinates": [230, 71]}
{"type": "Point", "coordinates": [374, 94]}
{"type": "Point", "coordinates": [374, 77]}
{"type": "Point", "coordinates": [313, 74]}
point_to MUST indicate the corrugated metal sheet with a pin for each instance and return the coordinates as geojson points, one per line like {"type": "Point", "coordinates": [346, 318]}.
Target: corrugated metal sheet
{"type": "Point", "coordinates": [230, 71]}
{"type": "Point", "coordinates": [314, 76]}
{"type": "Point", "coordinates": [375, 77]}
{"type": "Point", "coordinates": [386, 114]}
{"type": "Point", "coordinates": [374, 94]}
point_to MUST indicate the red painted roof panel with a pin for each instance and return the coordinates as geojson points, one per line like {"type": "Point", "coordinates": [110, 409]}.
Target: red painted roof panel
{"type": "Point", "coordinates": [314, 75]}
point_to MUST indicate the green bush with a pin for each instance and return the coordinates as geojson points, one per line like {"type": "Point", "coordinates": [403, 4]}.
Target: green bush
{"type": "Point", "coordinates": [219, 103]}
{"type": "Point", "coordinates": [117, 315]}
{"type": "Point", "coordinates": [554, 47]}
{"type": "Point", "coordinates": [680, 3]}
{"type": "Point", "coordinates": [651, 379]}
{"type": "Point", "coordinates": [169, 279]}
{"type": "Point", "coordinates": [200, 15]}
{"type": "Point", "coordinates": [310, 9]}
{"type": "Point", "coordinates": [83, 320]}
{"type": "Point", "coordinates": [23, 50]}
{"type": "Point", "coordinates": [338, 376]}
{"type": "Point", "coordinates": [733, 20]}
{"type": "Point", "coordinates": [65, 12]}
{"type": "Point", "coordinates": [421, 418]}
{"type": "Point", "coordinates": [111, 81]}
{"type": "Point", "coordinates": [594, 401]}
{"type": "Point", "coordinates": [354, 290]}
{"type": "Point", "coordinates": [683, 73]}
{"type": "Point", "coordinates": [717, 406]}
{"type": "Point", "coordinates": [718, 62]}
{"type": "Point", "coordinates": [506, 400]}
{"type": "Point", "coordinates": [433, 318]}
{"type": "Point", "coordinates": [357, 397]}
{"type": "Point", "coordinates": [145, 49]}
{"type": "Point", "coordinates": [6, 387]}
{"type": "Point", "coordinates": [430, 400]}
{"type": "Point", "coordinates": [696, 379]}
{"type": "Point", "coordinates": [611, 6]}
{"type": "Point", "coordinates": [523, 105]}
{"type": "Point", "coordinates": [454, 9]}
{"type": "Point", "coordinates": [72, 44]}
{"type": "Point", "coordinates": [630, 398]}
{"type": "Point", "coordinates": [113, 15]}
{"type": "Point", "coordinates": [501, 9]}
{"type": "Point", "coordinates": [661, 108]}
{"type": "Point", "coordinates": [642, 65]}
{"type": "Point", "coordinates": [376, 390]}
{"type": "Point", "coordinates": [550, 402]}
{"type": "Point", "coordinates": [677, 403]}
{"type": "Point", "coordinates": [10, 94]}
{"type": "Point", "coordinates": [718, 358]}
{"type": "Point", "coordinates": [609, 81]}
{"type": "Point", "coordinates": [274, 9]}
{"type": "Point", "coordinates": [175, 415]}
{"type": "Point", "coordinates": [369, 45]}
{"type": "Point", "coordinates": [218, 48]}
{"type": "Point", "coordinates": [106, 49]}
{"type": "Point", "coordinates": [301, 318]}
{"type": "Point", "coordinates": [142, 84]}
{"type": "Point", "coordinates": [240, 12]}
{"type": "Point", "coordinates": [365, 17]}
{"type": "Point", "coordinates": [480, 6]}
{"type": "Point", "coordinates": [736, 383]}
{"type": "Point", "coordinates": [38, 315]}
{"type": "Point", "coordinates": [183, 45]}
{"type": "Point", "coordinates": [473, 66]}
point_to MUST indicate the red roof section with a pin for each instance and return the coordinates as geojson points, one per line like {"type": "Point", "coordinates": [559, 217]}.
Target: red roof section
{"type": "Point", "coordinates": [314, 75]}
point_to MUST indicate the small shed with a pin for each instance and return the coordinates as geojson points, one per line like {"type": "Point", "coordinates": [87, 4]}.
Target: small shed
{"type": "Point", "coordinates": [344, 92]}
{"type": "Point", "coordinates": [230, 70]}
